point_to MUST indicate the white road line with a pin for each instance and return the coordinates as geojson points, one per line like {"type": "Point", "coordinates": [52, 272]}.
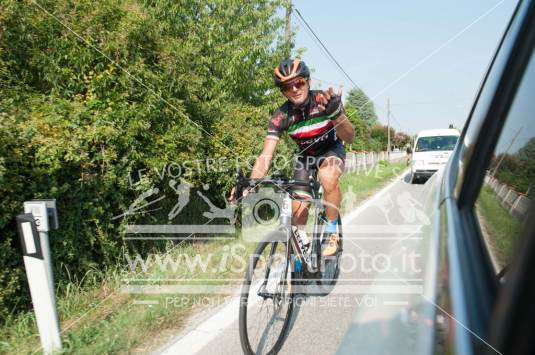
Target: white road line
{"type": "Point", "coordinates": [201, 335]}
{"type": "Point", "coordinates": [196, 339]}
{"type": "Point", "coordinates": [205, 332]}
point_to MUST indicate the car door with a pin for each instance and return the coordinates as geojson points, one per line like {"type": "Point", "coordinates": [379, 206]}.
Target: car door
{"type": "Point", "coordinates": [486, 214]}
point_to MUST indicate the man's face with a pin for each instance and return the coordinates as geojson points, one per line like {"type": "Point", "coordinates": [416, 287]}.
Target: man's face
{"type": "Point", "coordinates": [296, 90]}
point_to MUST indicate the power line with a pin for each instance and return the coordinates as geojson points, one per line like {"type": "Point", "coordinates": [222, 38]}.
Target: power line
{"type": "Point", "coordinates": [316, 41]}
{"type": "Point", "coordinates": [324, 47]}
{"type": "Point", "coordinates": [399, 124]}
{"type": "Point", "coordinates": [333, 59]}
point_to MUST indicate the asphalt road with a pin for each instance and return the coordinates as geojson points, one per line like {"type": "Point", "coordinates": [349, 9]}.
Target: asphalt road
{"type": "Point", "coordinates": [374, 307]}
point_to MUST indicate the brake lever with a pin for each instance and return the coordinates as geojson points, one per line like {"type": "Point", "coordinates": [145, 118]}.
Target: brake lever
{"type": "Point", "coordinates": [239, 184]}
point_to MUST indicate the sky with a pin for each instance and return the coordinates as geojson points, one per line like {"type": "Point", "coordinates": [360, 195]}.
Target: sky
{"type": "Point", "coordinates": [428, 57]}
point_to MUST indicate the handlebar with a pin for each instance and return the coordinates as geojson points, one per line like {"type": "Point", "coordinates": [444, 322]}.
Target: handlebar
{"type": "Point", "coordinates": [277, 179]}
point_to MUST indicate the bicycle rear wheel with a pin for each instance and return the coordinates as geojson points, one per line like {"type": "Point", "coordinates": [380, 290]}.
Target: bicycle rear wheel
{"type": "Point", "coordinates": [267, 298]}
{"type": "Point", "coordinates": [330, 265]}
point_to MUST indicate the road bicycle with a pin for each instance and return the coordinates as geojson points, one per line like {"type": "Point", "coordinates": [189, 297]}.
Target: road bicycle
{"type": "Point", "coordinates": [279, 270]}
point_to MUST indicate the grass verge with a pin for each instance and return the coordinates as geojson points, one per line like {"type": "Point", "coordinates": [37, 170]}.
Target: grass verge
{"type": "Point", "coordinates": [502, 228]}
{"type": "Point", "coordinates": [100, 318]}
{"type": "Point", "coordinates": [360, 185]}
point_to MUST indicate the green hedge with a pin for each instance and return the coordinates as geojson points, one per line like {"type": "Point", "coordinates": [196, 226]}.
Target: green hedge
{"type": "Point", "coordinates": [191, 78]}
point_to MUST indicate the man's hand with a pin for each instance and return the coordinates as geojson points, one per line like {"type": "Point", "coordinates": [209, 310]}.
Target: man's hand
{"type": "Point", "coordinates": [232, 198]}
{"type": "Point", "coordinates": [333, 103]}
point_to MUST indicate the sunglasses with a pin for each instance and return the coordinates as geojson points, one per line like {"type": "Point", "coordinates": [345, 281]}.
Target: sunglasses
{"type": "Point", "coordinates": [298, 84]}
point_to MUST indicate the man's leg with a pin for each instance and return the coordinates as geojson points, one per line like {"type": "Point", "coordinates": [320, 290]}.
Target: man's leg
{"type": "Point", "coordinates": [301, 194]}
{"type": "Point", "coordinates": [329, 173]}
{"type": "Point", "coordinates": [300, 213]}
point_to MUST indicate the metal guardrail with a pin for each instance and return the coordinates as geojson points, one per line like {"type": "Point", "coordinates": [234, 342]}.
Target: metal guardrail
{"type": "Point", "coordinates": [516, 203]}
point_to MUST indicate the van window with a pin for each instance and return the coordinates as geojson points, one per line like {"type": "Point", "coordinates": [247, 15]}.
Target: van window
{"type": "Point", "coordinates": [426, 144]}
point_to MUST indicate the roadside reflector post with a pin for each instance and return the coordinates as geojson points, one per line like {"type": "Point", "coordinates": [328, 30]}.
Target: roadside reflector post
{"type": "Point", "coordinates": [45, 214]}
{"type": "Point", "coordinates": [33, 227]}
{"type": "Point", "coordinates": [44, 304]}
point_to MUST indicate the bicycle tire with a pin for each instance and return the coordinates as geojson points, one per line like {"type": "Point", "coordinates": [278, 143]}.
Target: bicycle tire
{"type": "Point", "coordinates": [277, 242]}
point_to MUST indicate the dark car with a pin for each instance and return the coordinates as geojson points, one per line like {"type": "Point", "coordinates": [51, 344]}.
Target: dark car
{"type": "Point", "coordinates": [485, 285]}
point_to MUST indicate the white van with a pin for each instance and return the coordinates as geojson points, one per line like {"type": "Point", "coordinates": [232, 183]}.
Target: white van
{"type": "Point", "coordinates": [432, 149]}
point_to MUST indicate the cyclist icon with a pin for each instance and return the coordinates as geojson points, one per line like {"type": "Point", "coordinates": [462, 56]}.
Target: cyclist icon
{"type": "Point", "coordinates": [140, 202]}
{"type": "Point", "coordinates": [183, 192]}
{"type": "Point", "coordinates": [229, 212]}
{"type": "Point", "coordinates": [411, 209]}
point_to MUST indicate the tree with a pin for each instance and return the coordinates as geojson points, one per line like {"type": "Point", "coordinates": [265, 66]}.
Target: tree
{"type": "Point", "coordinates": [401, 139]}
{"type": "Point", "coordinates": [527, 152]}
{"type": "Point", "coordinates": [74, 126]}
{"type": "Point", "coordinates": [379, 134]}
{"type": "Point", "coordinates": [363, 105]}
{"type": "Point", "coordinates": [362, 134]}
{"type": "Point", "coordinates": [518, 170]}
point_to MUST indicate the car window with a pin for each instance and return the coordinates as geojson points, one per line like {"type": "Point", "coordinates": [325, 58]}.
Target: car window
{"type": "Point", "coordinates": [486, 96]}
{"type": "Point", "coordinates": [508, 191]}
{"type": "Point", "coordinates": [425, 144]}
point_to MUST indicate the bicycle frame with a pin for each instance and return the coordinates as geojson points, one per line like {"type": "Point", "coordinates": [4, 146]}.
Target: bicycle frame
{"type": "Point", "coordinates": [313, 259]}
{"type": "Point", "coordinates": [285, 218]}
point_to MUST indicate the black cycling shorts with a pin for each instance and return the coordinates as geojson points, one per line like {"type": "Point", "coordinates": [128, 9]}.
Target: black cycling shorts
{"type": "Point", "coordinates": [304, 166]}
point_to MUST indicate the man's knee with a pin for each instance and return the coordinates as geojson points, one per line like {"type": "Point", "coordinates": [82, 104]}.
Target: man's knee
{"type": "Point", "coordinates": [300, 212]}
{"type": "Point", "coordinates": [329, 174]}
{"type": "Point", "coordinates": [330, 184]}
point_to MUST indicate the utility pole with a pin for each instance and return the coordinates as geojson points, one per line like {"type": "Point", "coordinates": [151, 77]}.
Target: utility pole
{"type": "Point", "coordinates": [506, 151]}
{"type": "Point", "coordinates": [388, 125]}
{"type": "Point", "coordinates": [288, 27]}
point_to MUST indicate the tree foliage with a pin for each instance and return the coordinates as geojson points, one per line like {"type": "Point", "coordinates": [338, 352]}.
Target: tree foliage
{"type": "Point", "coordinates": [362, 134]}
{"type": "Point", "coordinates": [401, 139]}
{"type": "Point", "coordinates": [363, 105]}
{"type": "Point", "coordinates": [517, 170]}
{"type": "Point", "coordinates": [372, 138]}
{"type": "Point", "coordinates": [146, 84]}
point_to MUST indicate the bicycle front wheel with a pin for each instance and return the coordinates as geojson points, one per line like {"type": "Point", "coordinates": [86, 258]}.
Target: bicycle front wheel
{"type": "Point", "coordinates": [267, 298]}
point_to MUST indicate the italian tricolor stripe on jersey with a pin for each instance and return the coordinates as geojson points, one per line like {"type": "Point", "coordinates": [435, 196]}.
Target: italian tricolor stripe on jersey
{"type": "Point", "coordinates": [310, 127]}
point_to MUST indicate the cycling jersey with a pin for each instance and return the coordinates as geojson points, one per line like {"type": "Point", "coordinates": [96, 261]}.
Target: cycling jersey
{"type": "Point", "coordinates": [307, 125]}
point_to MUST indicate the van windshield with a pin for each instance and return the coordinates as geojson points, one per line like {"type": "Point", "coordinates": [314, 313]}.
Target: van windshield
{"type": "Point", "coordinates": [426, 144]}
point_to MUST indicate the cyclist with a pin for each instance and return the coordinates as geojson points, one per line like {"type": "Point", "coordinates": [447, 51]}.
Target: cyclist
{"type": "Point", "coordinates": [315, 120]}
